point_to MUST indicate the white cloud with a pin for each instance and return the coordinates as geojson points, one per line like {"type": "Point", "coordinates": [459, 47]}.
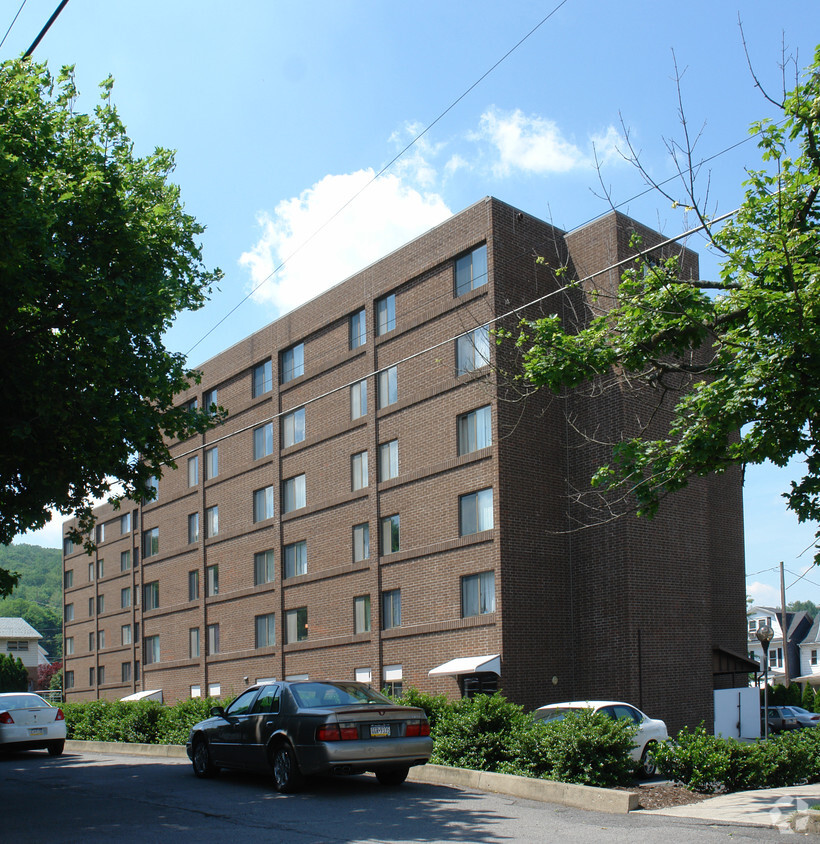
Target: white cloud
{"type": "Point", "coordinates": [321, 245]}
{"type": "Point", "coordinates": [763, 594]}
{"type": "Point", "coordinates": [533, 144]}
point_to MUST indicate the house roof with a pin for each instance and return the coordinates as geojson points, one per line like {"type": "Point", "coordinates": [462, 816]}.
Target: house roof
{"type": "Point", "coordinates": [17, 628]}
{"type": "Point", "coordinates": [814, 633]}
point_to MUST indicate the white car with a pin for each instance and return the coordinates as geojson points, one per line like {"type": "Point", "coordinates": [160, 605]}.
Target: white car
{"type": "Point", "coordinates": [28, 722]}
{"type": "Point", "coordinates": [650, 730]}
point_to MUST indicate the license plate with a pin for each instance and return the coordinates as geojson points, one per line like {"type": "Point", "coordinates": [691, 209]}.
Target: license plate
{"type": "Point", "coordinates": [37, 731]}
{"type": "Point", "coordinates": [379, 730]}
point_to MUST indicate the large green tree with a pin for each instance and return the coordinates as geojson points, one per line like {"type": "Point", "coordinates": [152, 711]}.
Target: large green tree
{"type": "Point", "coordinates": [97, 256]}
{"type": "Point", "coordinates": [744, 347]}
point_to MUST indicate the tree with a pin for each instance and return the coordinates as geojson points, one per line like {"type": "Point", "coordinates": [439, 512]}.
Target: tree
{"type": "Point", "coordinates": [13, 674]}
{"type": "Point", "coordinates": [97, 256]}
{"type": "Point", "coordinates": [736, 360]}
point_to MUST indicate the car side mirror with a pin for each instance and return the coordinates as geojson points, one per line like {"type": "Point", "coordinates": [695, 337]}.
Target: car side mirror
{"type": "Point", "coordinates": [218, 711]}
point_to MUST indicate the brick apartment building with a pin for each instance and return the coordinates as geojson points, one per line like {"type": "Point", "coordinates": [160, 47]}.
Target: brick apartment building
{"type": "Point", "coordinates": [378, 505]}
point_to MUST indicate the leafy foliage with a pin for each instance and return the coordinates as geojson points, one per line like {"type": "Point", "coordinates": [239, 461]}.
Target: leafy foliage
{"type": "Point", "coordinates": [13, 674]}
{"type": "Point", "coordinates": [740, 355]}
{"type": "Point", "coordinates": [97, 256]}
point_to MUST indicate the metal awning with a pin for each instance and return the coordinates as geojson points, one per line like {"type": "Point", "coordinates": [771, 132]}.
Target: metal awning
{"type": "Point", "coordinates": [490, 663]}
{"type": "Point", "coordinates": [154, 694]}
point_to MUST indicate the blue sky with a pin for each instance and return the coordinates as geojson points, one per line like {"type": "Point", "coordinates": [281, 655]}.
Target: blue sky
{"type": "Point", "coordinates": [282, 112]}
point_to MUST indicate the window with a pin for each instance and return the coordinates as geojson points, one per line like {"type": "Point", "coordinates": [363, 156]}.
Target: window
{"type": "Point", "coordinates": [386, 314]}
{"type": "Point", "coordinates": [90, 643]}
{"type": "Point", "coordinates": [68, 547]}
{"type": "Point", "coordinates": [262, 378]}
{"type": "Point", "coordinates": [361, 542]}
{"type": "Point", "coordinates": [193, 528]}
{"type": "Point", "coordinates": [69, 645]}
{"type": "Point", "coordinates": [100, 640]}
{"type": "Point", "coordinates": [125, 523]}
{"type": "Point", "coordinates": [265, 630]}
{"type": "Point", "coordinates": [358, 399]}
{"type": "Point", "coordinates": [214, 689]}
{"type": "Point", "coordinates": [293, 427]}
{"type": "Point", "coordinates": [391, 609]}
{"type": "Point", "coordinates": [150, 595]}
{"type": "Point", "coordinates": [100, 533]}
{"type": "Point", "coordinates": [212, 631]}
{"type": "Point", "coordinates": [68, 579]}
{"type": "Point", "coordinates": [296, 559]}
{"type": "Point", "coordinates": [471, 270]}
{"type": "Point", "coordinates": [196, 691]}
{"type": "Point", "coordinates": [293, 494]}
{"type": "Point", "coordinates": [358, 329]}
{"type": "Point", "coordinates": [361, 614]}
{"type": "Point", "coordinates": [193, 584]}
{"type": "Point", "coordinates": [125, 634]}
{"type": "Point", "coordinates": [191, 404]}
{"type": "Point", "coordinates": [68, 678]}
{"type": "Point", "coordinates": [91, 606]}
{"type": "Point", "coordinates": [125, 670]}
{"type": "Point", "coordinates": [263, 441]}
{"type": "Point", "coordinates": [475, 430]}
{"type": "Point", "coordinates": [193, 470]}
{"type": "Point", "coordinates": [125, 560]}
{"type": "Point", "coordinates": [263, 567]}
{"type": "Point", "coordinates": [814, 657]}
{"type": "Point", "coordinates": [136, 672]}
{"type": "Point", "coordinates": [91, 677]}
{"type": "Point", "coordinates": [100, 568]}
{"type": "Point", "coordinates": [392, 680]}
{"type": "Point", "coordinates": [263, 504]}
{"type": "Point", "coordinates": [477, 594]}
{"type": "Point", "coordinates": [152, 488]}
{"type": "Point", "coordinates": [101, 675]}
{"type": "Point", "coordinates": [211, 521]}
{"type": "Point", "coordinates": [68, 611]}
{"type": "Point", "coordinates": [358, 471]}
{"type": "Point", "coordinates": [211, 581]}
{"type": "Point", "coordinates": [125, 597]}
{"type": "Point", "coordinates": [100, 604]}
{"type": "Point", "coordinates": [472, 350]}
{"type": "Point", "coordinates": [363, 675]}
{"type": "Point", "coordinates": [211, 462]}
{"type": "Point", "coordinates": [388, 460]}
{"type": "Point", "coordinates": [193, 643]}
{"type": "Point", "coordinates": [476, 512]}
{"type": "Point", "coordinates": [390, 534]}
{"type": "Point", "coordinates": [91, 570]}
{"type": "Point", "coordinates": [151, 644]}
{"type": "Point", "coordinates": [150, 542]}
{"type": "Point", "coordinates": [388, 386]}
{"type": "Point", "coordinates": [296, 626]}
{"type": "Point", "coordinates": [209, 401]}
{"type": "Point", "coordinates": [293, 362]}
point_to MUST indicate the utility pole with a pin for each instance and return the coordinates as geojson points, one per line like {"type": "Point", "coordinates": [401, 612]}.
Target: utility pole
{"type": "Point", "coordinates": [784, 625]}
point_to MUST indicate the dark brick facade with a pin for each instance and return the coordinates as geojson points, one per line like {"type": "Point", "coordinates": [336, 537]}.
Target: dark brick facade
{"type": "Point", "coordinates": [632, 609]}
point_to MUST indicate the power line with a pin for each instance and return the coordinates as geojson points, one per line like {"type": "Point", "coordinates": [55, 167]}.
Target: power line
{"type": "Point", "coordinates": [380, 173]}
{"type": "Point", "coordinates": [13, 22]}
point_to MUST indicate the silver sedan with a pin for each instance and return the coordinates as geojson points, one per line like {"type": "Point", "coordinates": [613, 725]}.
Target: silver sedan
{"type": "Point", "coordinates": [299, 728]}
{"type": "Point", "coordinates": [27, 722]}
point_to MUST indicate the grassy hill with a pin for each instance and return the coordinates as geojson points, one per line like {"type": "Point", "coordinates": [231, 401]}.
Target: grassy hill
{"type": "Point", "coordinates": [38, 597]}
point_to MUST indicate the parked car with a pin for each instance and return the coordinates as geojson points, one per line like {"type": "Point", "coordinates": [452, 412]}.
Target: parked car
{"type": "Point", "coordinates": [649, 730]}
{"type": "Point", "coordinates": [296, 729]}
{"type": "Point", "coordinates": [782, 718]}
{"type": "Point", "coordinates": [27, 722]}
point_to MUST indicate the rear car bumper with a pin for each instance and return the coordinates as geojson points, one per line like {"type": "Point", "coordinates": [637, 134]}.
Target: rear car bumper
{"type": "Point", "coordinates": [355, 757]}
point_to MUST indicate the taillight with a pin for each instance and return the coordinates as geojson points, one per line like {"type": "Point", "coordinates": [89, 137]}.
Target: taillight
{"type": "Point", "coordinates": [59, 716]}
{"type": "Point", "coordinates": [417, 728]}
{"type": "Point", "coordinates": [5, 718]}
{"type": "Point", "coordinates": [337, 732]}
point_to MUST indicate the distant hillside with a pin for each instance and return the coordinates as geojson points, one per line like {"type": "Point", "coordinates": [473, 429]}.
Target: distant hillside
{"type": "Point", "coordinates": [38, 597]}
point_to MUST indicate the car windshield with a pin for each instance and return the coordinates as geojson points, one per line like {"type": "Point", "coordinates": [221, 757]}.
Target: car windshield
{"type": "Point", "coordinates": [558, 713]}
{"type": "Point", "coordinates": [335, 694]}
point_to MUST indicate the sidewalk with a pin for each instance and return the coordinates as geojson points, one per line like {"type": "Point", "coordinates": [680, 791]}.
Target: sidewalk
{"type": "Point", "coordinates": [770, 807]}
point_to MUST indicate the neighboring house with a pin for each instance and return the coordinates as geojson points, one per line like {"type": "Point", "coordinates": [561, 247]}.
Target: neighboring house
{"type": "Point", "coordinates": [810, 655]}
{"type": "Point", "coordinates": [19, 639]}
{"type": "Point", "coordinates": [381, 505]}
{"type": "Point", "coordinates": [799, 625]}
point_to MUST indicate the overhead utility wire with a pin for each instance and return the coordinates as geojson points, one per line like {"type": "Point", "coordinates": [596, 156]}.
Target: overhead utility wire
{"type": "Point", "coordinates": [448, 340]}
{"type": "Point", "coordinates": [381, 172]}
{"type": "Point", "coordinates": [12, 23]}
{"type": "Point", "coordinates": [45, 29]}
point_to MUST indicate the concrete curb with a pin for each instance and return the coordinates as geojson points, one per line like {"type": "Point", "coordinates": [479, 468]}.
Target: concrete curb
{"type": "Point", "coordinates": [545, 791]}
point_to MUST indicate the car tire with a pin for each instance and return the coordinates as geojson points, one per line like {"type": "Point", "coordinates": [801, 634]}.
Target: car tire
{"type": "Point", "coordinates": [287, 777]}
{"type": "Point", "coordinates": [55, 748]}
{"type": "Point", "coordinates": [392, 776]}
{"type": "Point", "coordinates": [647, 767]}
{"type": "Point", "coordinates": [204, 767]}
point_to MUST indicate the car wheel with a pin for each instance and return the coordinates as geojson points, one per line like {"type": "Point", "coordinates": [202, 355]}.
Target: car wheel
{"type": "Point", "coordinates": [647, 764]}
{"type": "Point", "coordinates": [392, 776]}
{"type": "Point", "coordinates": [204, 767]}
{"type": "Point", "coordinates": [286, 774]}
{"type": "Point", "coordinates": [55, 748]}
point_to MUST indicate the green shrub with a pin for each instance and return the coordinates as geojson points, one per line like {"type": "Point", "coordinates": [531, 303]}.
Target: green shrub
{"type": "Point", "coordinates": [433, 705]}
